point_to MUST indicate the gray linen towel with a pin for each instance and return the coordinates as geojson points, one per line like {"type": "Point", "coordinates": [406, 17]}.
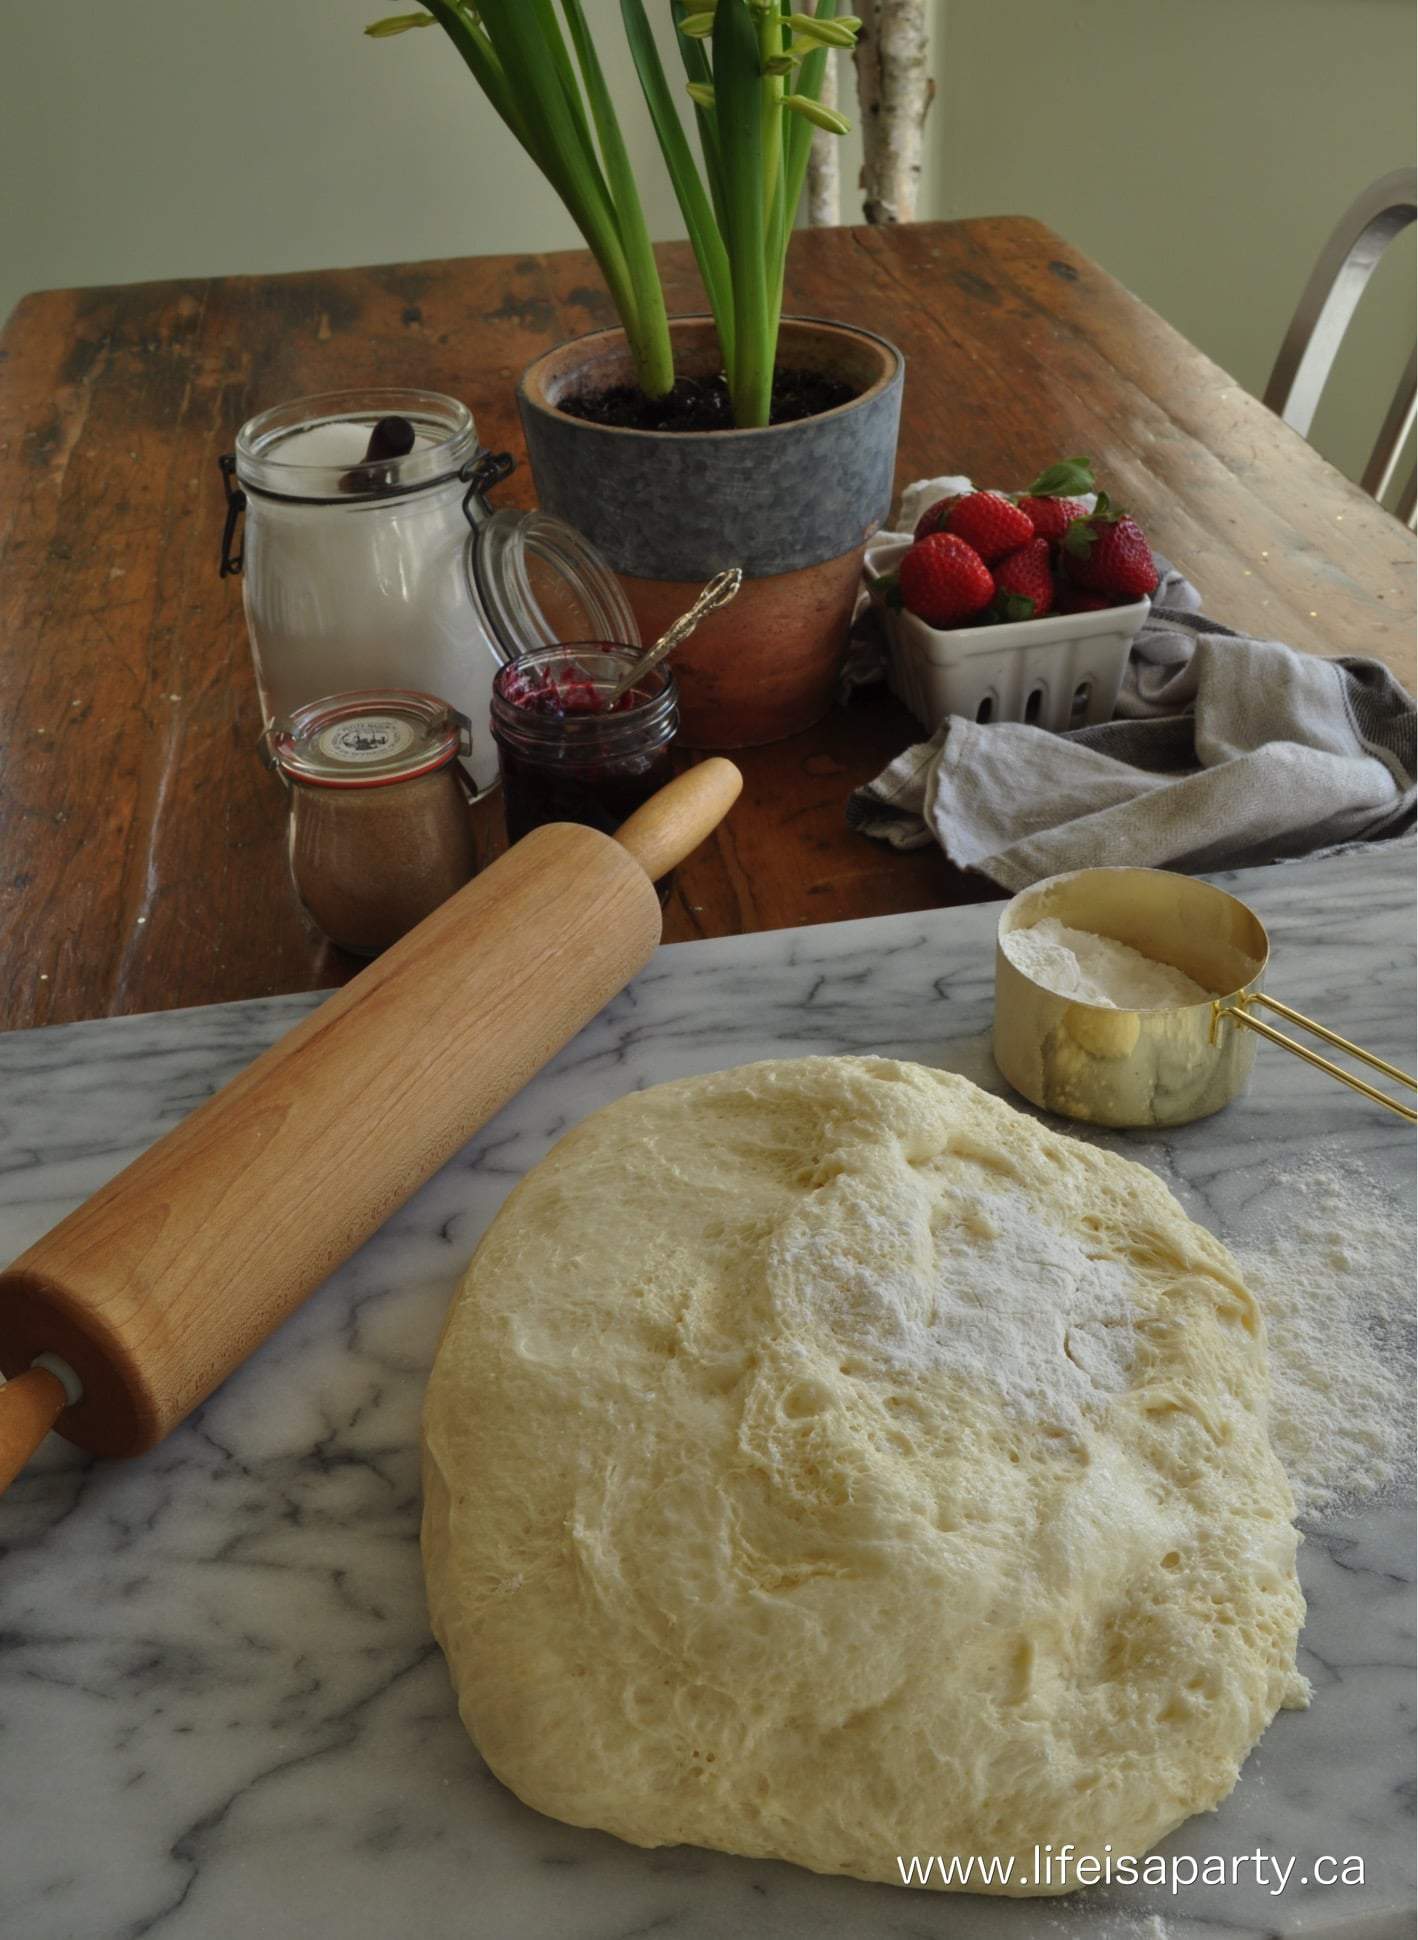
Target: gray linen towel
{"type": "Point", "coordinates": [1227, 751]}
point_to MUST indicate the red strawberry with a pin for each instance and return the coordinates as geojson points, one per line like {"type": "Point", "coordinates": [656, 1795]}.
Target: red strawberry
{"type": "Point", "coordinates": [990, 523]}
{"type": "Point", "coordinates": [1045, 503]}
{"type": "Point", "coordinates": [943, 581]}
{"type": "Point", "coordinates": [1074, 599]}
{"type": "Point", "coordinates": [933, 518]}
{"type": "Point", "coordinates": [1051, 517]}
{"type": "Point", "coordinates": [1108, 553]}
{"type": "Point", "coordinates": [1024, 583]}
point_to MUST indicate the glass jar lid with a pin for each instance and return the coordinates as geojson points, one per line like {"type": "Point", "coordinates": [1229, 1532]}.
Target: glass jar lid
{"type": "Point", "coordinates": [537, 583]}
{"type": "Point", "coordinates": [314, 448]}
{"type": "Point", "coordinates": [368, 739]}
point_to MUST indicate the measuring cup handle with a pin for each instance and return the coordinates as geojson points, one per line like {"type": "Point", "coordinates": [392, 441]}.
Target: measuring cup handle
{"type": "Point", "coordinates": [1239, 1013]}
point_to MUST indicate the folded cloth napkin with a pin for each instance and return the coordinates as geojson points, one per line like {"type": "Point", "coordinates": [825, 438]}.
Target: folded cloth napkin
{"type": "Point", "coordinates": [1227, 751]}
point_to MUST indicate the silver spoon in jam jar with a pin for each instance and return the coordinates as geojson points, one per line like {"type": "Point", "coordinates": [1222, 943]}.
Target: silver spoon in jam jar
{"type": "Point", "coordinates": [720, 590]}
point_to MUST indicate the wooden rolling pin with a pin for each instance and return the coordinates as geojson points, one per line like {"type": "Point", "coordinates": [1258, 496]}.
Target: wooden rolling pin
{"type": "Point", "coordinates": [116, 1324]}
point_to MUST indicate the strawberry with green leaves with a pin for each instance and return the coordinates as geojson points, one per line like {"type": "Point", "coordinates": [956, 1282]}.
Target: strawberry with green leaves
{"type": "Point", "coordinates": [944, 581]}
{"type": "Point", "coordinates": [1024, 583]}
{"type": "Point", "coordinates": [1052, 502]}
{"type": "Point", "coordinates": [1107, 552]}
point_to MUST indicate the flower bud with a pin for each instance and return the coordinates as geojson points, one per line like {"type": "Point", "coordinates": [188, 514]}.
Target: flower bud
{"type": "Point", "coordinates": [820, 116]}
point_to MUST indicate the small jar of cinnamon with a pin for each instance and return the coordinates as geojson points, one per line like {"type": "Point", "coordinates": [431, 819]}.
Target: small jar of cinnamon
{"type": "Point", "coordinates": [380, 833]}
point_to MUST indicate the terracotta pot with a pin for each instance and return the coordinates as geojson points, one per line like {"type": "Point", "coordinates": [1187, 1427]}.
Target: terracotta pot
{"type": "Point", "coordinates": [793, 504]}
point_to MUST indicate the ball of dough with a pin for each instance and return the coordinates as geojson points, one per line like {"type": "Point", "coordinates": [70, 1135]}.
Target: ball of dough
{"type": "Point", "coordinates": [824, 1461]}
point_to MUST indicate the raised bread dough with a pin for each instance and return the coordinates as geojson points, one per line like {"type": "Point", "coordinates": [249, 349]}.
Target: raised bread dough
{"type": "Point", "coordinates": [825, 1461]}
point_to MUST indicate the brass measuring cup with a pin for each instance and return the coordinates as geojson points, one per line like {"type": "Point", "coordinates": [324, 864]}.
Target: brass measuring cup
{"type": "Point", "coordinates": [1151, 1067]}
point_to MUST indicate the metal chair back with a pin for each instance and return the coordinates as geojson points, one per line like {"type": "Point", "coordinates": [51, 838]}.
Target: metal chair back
{"type": "Point", "coordinates": [1323, 315]}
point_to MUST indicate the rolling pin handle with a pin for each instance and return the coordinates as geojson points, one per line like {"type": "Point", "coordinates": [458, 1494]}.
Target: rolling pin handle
{"type": "Point", "coordinates": [29, 1407]}
{"type": "Point", "coordinates": [673, 823]}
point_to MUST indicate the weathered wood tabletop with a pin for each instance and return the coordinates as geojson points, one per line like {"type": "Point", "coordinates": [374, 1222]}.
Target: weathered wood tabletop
{"type": "Point", "coordinates": [142, 844]}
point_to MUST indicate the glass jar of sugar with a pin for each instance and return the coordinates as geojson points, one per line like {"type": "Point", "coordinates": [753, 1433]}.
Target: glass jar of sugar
{"type": "Point", "coordinates": [373, 560]}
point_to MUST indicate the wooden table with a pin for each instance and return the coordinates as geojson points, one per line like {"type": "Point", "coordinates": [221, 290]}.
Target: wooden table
{"type": "Point", "coordinates": [141, 844]}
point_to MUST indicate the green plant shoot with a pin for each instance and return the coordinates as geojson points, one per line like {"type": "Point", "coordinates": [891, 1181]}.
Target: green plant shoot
{"type": "Point", "coordinates": [754, 73]}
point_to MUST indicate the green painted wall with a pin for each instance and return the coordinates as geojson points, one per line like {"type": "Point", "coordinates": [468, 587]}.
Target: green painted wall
{"type": "Point", "coordinates": [1200, 149]}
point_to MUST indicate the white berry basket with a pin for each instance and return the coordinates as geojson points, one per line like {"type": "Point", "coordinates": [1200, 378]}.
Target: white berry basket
{"type": "Point", "coordinates": [1060, 672]}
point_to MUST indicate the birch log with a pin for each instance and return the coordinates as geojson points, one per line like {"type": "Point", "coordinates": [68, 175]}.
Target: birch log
{"type": "Point", "coordinates": [895, 91]}
{"type": "Point", "coordinates": [824, 169]}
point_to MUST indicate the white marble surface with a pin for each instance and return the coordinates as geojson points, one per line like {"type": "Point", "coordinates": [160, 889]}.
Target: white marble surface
{"type": "Point", "coordinates": [221, 1714]}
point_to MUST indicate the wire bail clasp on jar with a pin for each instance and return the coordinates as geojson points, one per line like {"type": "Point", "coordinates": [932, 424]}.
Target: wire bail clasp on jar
{"type": "Point", "coordinates": [235, 506]}
{"type": "Point", "coordinates": [489, 468]}
{"type": "Point", "coordinates": [480, 474]}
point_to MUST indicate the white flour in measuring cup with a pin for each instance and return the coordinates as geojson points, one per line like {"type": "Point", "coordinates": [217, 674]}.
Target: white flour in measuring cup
{"type": "Point", "coordinates": [1097, 970]}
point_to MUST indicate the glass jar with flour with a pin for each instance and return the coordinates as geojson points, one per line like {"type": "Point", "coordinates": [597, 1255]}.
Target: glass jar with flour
{"type": "Point", "coordinates": [371, 558]}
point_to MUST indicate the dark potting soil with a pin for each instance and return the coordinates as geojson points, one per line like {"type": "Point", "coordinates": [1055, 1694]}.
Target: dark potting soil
{"type": "Point", "coordinates": [703, 403]}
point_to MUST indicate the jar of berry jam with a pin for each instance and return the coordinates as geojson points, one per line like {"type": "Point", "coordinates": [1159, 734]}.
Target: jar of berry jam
{"type": "Point", "coordinates": [567, 752]}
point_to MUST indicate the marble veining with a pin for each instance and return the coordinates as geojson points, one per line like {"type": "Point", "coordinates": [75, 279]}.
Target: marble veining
{"type": "Point", "coordinates": [221, 1712]}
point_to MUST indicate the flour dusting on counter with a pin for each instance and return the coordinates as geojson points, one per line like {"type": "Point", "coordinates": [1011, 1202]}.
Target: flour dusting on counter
{"type": "Point", "coordinates": [1333, 1273]}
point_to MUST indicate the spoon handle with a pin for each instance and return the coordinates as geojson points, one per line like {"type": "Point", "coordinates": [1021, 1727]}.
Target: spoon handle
{"type": "Point", "coordinates": [720, 590]}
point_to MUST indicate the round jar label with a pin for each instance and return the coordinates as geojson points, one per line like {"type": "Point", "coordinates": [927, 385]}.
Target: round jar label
{"type": "Point", "coordinates": [369, 737]}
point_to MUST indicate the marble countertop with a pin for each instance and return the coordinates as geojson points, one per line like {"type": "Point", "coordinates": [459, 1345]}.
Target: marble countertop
{"type": "Point", "coordinates": [221, 1713]}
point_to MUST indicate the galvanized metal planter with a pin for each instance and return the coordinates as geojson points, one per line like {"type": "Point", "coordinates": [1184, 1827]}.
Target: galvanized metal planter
{"type": "Point", "coordinates": [792, 504]}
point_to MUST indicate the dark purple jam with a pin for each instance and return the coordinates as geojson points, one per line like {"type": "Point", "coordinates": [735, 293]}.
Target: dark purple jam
{"type": "Point", "coordinates": [566, 751]}
{"type": "Point", "coordinates": [555, 695]}
{"type": "Point", "coordinates": [602, 795]}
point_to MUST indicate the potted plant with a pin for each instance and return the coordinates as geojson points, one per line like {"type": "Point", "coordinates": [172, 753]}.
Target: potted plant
{"type": "Point", "coordinates": [680, 447]}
